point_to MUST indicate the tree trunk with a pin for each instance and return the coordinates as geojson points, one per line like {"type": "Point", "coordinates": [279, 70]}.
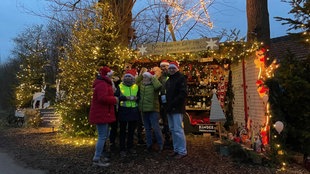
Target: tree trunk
{"type": "Point", "coordinates": [258, 21]}
{"type": "Point", "coordinates": [122, 11]}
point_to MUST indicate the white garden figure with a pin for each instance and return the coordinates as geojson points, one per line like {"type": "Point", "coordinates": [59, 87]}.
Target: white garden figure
{"type": "Point", "coordinates": [38, 100]}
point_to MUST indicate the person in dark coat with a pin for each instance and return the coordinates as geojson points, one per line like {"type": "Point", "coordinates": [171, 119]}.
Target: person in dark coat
{"type": "Point", "coordinates": [102, 111]}
{"type": "Point", "coordinates": [128, 111]}
{"type": "Point", "coordinates": [164, 75]}
{"type": "Point", "coordinates": [176, 88]}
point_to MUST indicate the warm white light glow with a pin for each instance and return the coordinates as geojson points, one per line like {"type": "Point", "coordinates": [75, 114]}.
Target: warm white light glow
{"type": "Point", "coordinates": [184, 10]}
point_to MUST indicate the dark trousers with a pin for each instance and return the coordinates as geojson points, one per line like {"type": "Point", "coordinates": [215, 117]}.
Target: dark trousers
{"type": "Point", "coordinates": [113, 132]}
{"type": "Point", "coordinates": [166, 131]}
{"type": "Point", "coordinates": [126, 135]}
{"type": "Point", "coordinates": [140, 128]}
{"type": "Point", "coordinates": [114, 127]}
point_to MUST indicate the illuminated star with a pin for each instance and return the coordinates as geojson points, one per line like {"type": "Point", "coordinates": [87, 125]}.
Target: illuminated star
{"type": "Point", "coordinates": [212, 43]}
{"type": "Point", "coordinates": [142, 49]}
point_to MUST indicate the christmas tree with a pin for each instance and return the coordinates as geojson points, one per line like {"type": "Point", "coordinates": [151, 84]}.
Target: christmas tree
{"type": "Point", "coordinates": [289, 99]}
{"type": "Point", "coordinates": [30, 50]}
{"type": "Point", "coordinates": [92, 45]}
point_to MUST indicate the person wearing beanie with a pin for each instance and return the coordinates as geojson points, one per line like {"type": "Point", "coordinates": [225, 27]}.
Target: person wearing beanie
{"type": "Point", "coordinates": [103, 71]}
{"type": "Point", "coordinates": [128, 111]}
{"type": "Point", "coordinates": [164, 64]}
{"type": "Point", "coordinates": [132, 73]}
{"type": "Point", "coordinates": [107, 72]}
{"type": "Point", "coordinates": [174, 65]}
{"type": "Point", "coordinates": [176, 93]}
{"type": "Point", "coordinates": [102, 111]}
{"type": "Point", "coordinates": [149, 87]}
{"type": "Point", "coordinates": [148, 74]}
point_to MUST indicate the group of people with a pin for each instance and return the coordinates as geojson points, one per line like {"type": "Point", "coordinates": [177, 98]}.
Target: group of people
{"type": "Point", "coordinates": [148, 96]}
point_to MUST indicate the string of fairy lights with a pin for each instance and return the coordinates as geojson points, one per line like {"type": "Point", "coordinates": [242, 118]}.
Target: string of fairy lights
{"type": "Point", "coordinates": [233, 51]}
{"type": "Point", "coordinates": [79, 97]}
{"type": "Point", "coordinates": [264, 74]}
{"type": "Point", "coordinates": [183, 10]}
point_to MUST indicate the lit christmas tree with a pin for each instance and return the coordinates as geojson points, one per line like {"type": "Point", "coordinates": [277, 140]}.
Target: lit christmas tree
{"type": "Point", "coordinates": [31, 51]}
{"type": "Point", "coordinates": [93, 44]}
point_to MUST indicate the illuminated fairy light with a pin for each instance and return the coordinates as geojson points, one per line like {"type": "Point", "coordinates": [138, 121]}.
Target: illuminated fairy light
{"type": "Point", "coordinates": [283, 168]}
{"type": "Point", "coordinates": [263, 91]}
{"type": "Point", "coordinates": [184, 10]}
{"type": "Point", "coordinates": [234, 51]}
{"type": "Point", "coordinates": [77, 141]}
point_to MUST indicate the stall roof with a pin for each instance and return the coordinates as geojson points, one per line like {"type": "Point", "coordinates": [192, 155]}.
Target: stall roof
{"type": "Point", "coordinates": [280, 46]}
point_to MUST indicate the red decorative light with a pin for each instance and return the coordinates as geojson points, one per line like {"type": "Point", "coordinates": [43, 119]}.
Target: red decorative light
{"type": "Point", "coordinates": [264, 136]}
{"type": "Point", "coordinates": [195, 121]}
{"type": "Point", "coordinates": [259, 82]}
{"type": "Point", "coordinates": [262, 59]}
{"type": "Point", "coordinates": [263, 90]}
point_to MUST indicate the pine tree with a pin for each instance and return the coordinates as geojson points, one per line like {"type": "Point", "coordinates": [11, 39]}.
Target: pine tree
{"type": "Point", "coordinates": [290, 102]}
{"type": "Point", "coordinates": [30, 79]}
{"type": "Point", "coordinates": [30, 50]}
{"type": "Point", "coordinates": [300, 21]}
{"type": "Point", "coordinates": [93, 44]}
{"type": "Point", "coordinates": [290, 87]}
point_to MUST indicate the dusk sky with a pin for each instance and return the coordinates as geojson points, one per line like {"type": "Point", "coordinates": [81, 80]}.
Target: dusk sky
{"type": "Point", "coordinates": [227, 14]}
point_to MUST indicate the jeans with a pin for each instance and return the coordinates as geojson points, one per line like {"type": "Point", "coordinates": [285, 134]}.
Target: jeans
{"type": "Point", "coordinates": [177, 132]}
{"type": "Point", "coordinates": [103, 134]}
{"type": "Point", "coordinates": [151, 120]}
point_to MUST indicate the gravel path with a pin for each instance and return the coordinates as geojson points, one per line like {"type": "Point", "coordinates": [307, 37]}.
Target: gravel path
{"type": "Point", "coordinates": [43, 149]}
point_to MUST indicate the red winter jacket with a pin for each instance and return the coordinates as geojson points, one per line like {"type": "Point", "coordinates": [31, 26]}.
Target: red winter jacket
{"type": "Point", "coordinates": [103, 101]}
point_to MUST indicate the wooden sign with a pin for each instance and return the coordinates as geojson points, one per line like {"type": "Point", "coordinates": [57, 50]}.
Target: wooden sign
{"type": "Point", "coordinates": [185, 46]}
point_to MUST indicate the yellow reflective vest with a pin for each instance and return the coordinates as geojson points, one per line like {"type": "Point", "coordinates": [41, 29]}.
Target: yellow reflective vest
{"type": "Point", "coordinates": [128, 91]}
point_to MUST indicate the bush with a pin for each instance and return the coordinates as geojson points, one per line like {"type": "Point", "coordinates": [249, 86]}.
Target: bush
{"type": "Point", "coordinates": [33, 118]}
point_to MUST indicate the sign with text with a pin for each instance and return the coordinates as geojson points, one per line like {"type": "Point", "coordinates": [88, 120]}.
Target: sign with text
{"type": "Point", "coordinates": [207, 128]}
{"type": "Point", "coordinates": [185, 46]}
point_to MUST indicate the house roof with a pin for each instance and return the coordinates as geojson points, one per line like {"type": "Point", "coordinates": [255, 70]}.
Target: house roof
{"type": "Point", "coordinates": [281, 46]}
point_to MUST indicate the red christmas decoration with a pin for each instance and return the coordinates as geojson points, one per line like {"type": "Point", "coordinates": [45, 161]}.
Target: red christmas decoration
{"type": "Point", "coordinates": [264, 136]}
{"type": "Point", "coordinates": [263, 90]}
{"type": "Point", "coordinates": [262, 59]}
{"type": "Point", "coordinates": [259, 82]}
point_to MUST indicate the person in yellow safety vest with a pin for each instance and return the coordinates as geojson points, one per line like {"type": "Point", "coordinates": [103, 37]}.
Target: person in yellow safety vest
{"type": "Point", "coordinates": [128, 111]}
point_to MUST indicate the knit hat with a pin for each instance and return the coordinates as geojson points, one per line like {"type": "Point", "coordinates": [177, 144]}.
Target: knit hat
{"type": "Point", "coordinates": [131, 72]}
{"type": "Point", "coordinates": [164, 62]}
{"type": "Point", "coordinates": [103, 71]}
{"type": "Point", "coordinates": [148, 74]}
{"type": "Point", "coordinates": [174, 65]}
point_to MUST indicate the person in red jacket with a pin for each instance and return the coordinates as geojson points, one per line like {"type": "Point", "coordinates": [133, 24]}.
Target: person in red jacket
{"type": "Point", "coordinates": [102, 111]}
